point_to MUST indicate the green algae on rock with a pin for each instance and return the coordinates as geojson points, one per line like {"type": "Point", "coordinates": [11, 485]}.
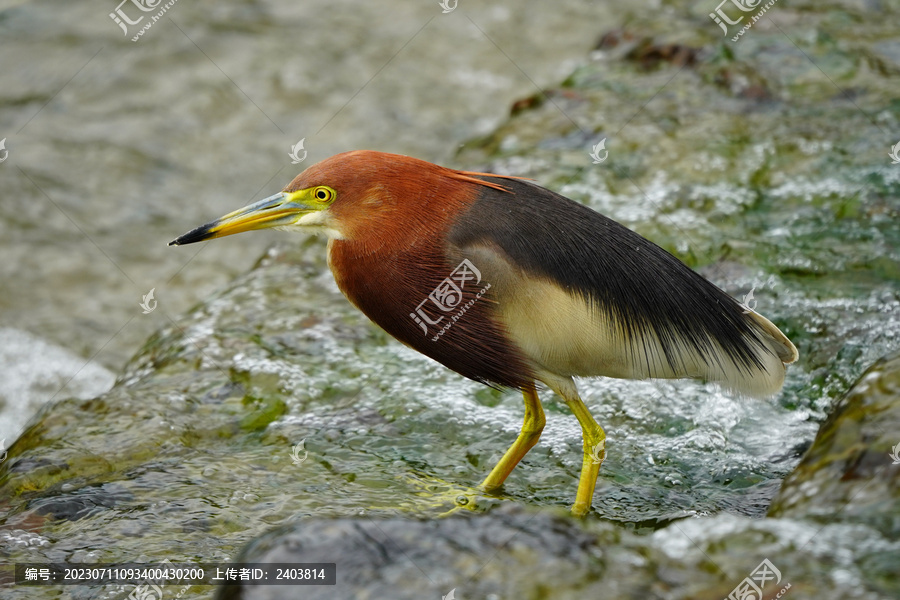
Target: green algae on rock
{"type": "Point", "coordinates": [849, 473]}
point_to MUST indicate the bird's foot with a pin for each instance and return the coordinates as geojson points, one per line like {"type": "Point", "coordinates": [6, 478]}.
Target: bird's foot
{"type": "Point", "coordinates": [446, 498]}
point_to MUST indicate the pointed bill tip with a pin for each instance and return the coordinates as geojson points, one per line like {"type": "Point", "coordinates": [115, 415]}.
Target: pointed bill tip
{"type": "Point", "coordinates": [204, 232]}
{"type": "Point", "coordinates": [280, 209]}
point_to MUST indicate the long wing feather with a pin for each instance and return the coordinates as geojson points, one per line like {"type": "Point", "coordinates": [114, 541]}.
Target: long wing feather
{"type": "Point", "coordinates": [584, 295]}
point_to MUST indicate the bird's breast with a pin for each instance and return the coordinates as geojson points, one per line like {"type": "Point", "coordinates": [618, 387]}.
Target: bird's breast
{"type": "Point", "coordinates": [436, 303]}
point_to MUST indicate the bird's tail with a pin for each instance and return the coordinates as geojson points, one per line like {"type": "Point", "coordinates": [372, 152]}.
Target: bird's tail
{"type": "Point", "coordinates": [773, 351]}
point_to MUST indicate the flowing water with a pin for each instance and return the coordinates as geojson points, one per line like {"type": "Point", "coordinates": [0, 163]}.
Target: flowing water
{"type": "Point", "coordinates": [117, 147]}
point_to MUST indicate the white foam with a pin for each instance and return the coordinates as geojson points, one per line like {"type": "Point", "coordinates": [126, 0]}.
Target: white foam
{"type": "Point", "coordinates": [34, 371]}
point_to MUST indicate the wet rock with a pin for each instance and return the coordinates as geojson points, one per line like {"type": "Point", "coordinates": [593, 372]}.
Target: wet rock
{"type": "Point", "coordinates": [650, 55]}
{"type": "Point", "coordinates": [81, 503]}
{"type": "Point", "coordinates": [402, 558]}
{"type": "Point", "coordinates": [531, 555]}
{"type": "Point", "coordinates": [852, 471]}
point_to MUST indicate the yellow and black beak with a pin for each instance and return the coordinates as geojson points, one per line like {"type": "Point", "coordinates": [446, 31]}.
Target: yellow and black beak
{"type": "Point", "coordinates": [284, 208]}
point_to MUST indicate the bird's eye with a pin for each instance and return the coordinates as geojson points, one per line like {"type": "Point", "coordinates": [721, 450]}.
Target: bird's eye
{"type": "Point", "coordinates": [323, 194]}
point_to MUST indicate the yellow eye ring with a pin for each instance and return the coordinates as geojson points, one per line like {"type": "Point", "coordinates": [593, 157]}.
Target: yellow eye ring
{"type": "Point", "coordinates": [323, 194]}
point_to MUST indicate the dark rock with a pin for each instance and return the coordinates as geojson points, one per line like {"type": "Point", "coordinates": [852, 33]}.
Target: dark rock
{"type": "Point", "coordinates": [852, 471]}
{"type": "Point", "coordinates": [528, 554]}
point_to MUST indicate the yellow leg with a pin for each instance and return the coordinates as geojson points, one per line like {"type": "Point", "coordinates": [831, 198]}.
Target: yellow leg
{"type": "Point", "coordinates": [594, 444]}
{"type": "Point", "coordinates": [528, 437]}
